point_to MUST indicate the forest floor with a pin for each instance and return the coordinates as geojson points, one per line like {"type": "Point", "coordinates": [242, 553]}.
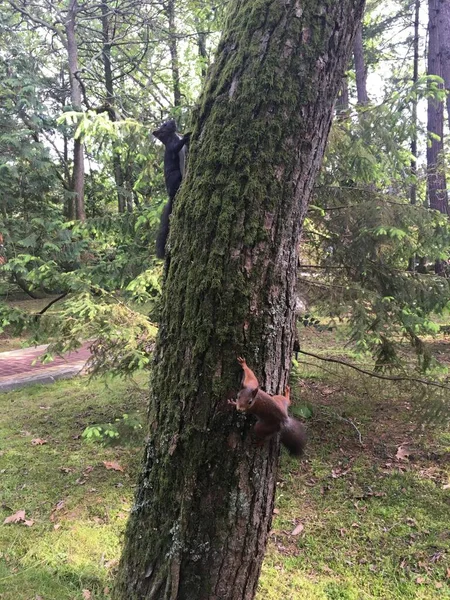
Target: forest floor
{"type": "Point", "coordinates": [356, 519]}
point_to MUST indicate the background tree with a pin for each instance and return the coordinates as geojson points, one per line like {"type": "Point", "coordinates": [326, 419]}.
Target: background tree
{"type": "Point", "coordinates": [436, 181]}
{"type": "Point", "coordinates": [444, 50]}
{"type": "Point", "coordinates": [203, 508]}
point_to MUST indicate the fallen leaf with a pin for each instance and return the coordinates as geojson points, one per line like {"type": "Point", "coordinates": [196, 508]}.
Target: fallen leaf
{"type": "Point", "coordinates": [38, 442]}
{"type": "Point", "coordinates": [300, 527]}
{"type": "Point", "coordinates": [402, 453]}
{"type": "Point", "coordinates": [87, 595]}
{"type": "Point", "coordinates": [446, 486]}
{"type": "Point", "coordinates": [17, 517]}
{"type": "Point", "coordinates": [438, 585]}
{"type": "Point", "coordinates": [112, 465]}
{"type": "Point", "coordinates": [56, 526]}
{"type": "Point", "coordinates": [276, 511]}
{"type": "Point", "coordinates": [59, 505]}
{"type": "Point", "coordinates": [28, 522]}
{"type": "Point", "coordinates": [420, 580]}
{"type": "Point", "coordinates": [327, 391]}
{"type": "Point", "coordinates": [109, 564]}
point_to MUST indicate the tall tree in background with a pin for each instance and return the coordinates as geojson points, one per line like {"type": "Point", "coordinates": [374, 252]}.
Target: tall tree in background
{"type": "Point", "coordinates": [77, 211]}
{"type": "Point", "coordinates": [169, 9]}
{"type": "Point", "coordinates": [62, 25]}
{"type": "Point", "coordinates": [436, 185]}
{"type": "Point", "coordinates": [360, 68]}
{"type": "Point", "coordinates": [203, 508]}
{"type": "Point", "coordinates": [444, 43]}
{"type": "Point", "coordinates": [414, 123]}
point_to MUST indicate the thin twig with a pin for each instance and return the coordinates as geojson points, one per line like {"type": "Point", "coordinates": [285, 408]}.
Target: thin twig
{"type": "Point", "coordinates": [353, 425]}
{"type": "Point", "coordinates": [45, 309]}
{"type": "Point", "coordinates": [377, 375]}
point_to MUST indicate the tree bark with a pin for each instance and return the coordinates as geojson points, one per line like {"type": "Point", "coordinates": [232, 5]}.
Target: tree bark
{"type": "Point", "coordinates": [444, 41]}
{"type": "Point", "coordinates": [203, 508]}
{"type": "Point", "coordinates": [437, 193]}
{"type": "Point", "coordinates": [75, 96]}
{"type": "Point", "coordinates": [360, 68]}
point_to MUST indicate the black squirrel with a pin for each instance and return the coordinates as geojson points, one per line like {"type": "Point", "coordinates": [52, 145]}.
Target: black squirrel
{"type": "Point", "coordinates": [174, 163]}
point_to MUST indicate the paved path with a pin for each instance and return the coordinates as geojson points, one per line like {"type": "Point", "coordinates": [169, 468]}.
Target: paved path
{"type": "Point", "coordinates": [17, 368]}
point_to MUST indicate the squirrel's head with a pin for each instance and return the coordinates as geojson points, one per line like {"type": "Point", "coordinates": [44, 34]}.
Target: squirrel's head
{"type": "Point", "coordinates": [165, 130]}
{"type": "Point", "coordinates": [245, 398]}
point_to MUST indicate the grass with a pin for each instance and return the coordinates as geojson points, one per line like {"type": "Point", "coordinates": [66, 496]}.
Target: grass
{"type": "Point", "coordinates": [374, 527]}
{"type": "Point", "coordinates": [79, 507]}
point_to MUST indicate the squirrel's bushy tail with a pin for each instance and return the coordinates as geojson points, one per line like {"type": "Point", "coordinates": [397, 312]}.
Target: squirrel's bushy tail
{"type": "Point", "coordinates": [293, 436]}
{"type": "Point", "coordinates": [163, 233]}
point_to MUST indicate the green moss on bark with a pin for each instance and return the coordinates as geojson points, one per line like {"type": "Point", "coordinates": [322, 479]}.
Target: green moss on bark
{"type": "Point", "coordinates": [204, 502]}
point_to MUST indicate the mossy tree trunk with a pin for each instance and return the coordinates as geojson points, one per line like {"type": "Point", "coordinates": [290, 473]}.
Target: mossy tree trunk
{"type": "Point", "coordinates": [203, 507]}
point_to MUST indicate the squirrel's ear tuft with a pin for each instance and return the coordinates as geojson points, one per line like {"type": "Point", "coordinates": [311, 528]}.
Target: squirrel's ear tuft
{"type": "Point", "coordinates": [254, 392]}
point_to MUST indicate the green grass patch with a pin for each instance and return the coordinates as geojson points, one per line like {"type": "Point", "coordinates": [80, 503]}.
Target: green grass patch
{"type": "Point", "coordinates": [79, 507]}
{"type": "Point", "coordinates": [374, 526]}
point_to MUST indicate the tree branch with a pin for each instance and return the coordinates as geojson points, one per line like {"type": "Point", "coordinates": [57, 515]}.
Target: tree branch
{"type": "Point", "coordinates": [45, 309]}
{"type": "Point", "coordinates": [374, 374]}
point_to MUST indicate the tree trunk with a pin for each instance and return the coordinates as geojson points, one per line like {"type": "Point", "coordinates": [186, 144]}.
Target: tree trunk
{"type": "Point", "coordinates": [444, 41]}
{"type": "Point", "coordinates": [413, 188]}
{"type": "Point", "coordinates": [173, 47]}
{"type": "Point", "coordinates": [437, 193]}
{"type": "Point", "coordinates": [119, 176]}
{"type": "Point", "coordinates": [360, 68]}
{"type": "Point", "coordinates": [203, 508]}
{"type": "Point", "coordinates": [75, 96]}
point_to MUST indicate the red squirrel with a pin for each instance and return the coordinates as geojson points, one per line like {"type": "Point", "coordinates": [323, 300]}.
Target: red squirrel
{"type": "Point", "coordinates": [271, 412]}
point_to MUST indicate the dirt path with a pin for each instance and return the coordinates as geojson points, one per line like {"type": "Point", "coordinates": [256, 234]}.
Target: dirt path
{"type": "Point", "coordinates": [22, 367]}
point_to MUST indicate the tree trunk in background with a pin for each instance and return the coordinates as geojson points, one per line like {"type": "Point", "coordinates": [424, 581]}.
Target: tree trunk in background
{"type": "Point", "coordinates": [413, 188]}
{"type": "Point", "coordinates": [437, 193]}
{"type": "Point", "coordinates": [201, 45]}
{"type": "Point", "coordinates": [124, 186]}
{"type": "Point", "coordinates": [444, 41]}
{"type": "Point", "coordinates": [360, 68]}
{"type": "Point", "coordinates": [203, 508]}
{"type": "Point", "coordinates": [342, 102]}
{"type": "Point", "coordinates": [110, 103]}
{"type": "Point", "coordinates": [75, 96]}
{"type": "Point", "coordinates": [173, 47]}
